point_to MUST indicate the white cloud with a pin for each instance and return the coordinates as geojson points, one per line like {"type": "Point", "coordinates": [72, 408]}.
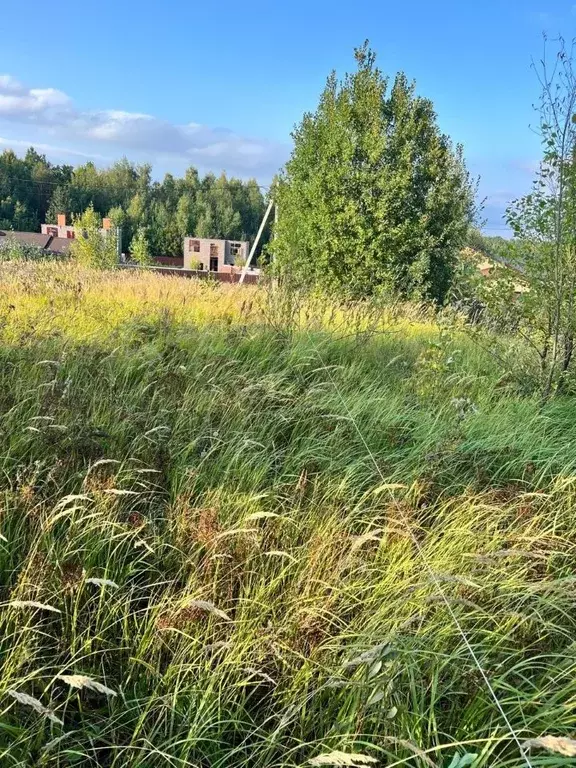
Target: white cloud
{"type": "Point", "coordinates": [50, 149]}
{"type": "Point", "coordinates": [131, 129]}
{"type": "Point", "coordinates": [17, 101]}
{"type": "Point", "coordinates": [215, 148]}
{"type": "Point", "coordinates": [9, 83]}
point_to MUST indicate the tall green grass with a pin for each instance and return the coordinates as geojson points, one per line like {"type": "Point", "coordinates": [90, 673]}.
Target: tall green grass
{"type": "Point", "coordinates": [243, 530]}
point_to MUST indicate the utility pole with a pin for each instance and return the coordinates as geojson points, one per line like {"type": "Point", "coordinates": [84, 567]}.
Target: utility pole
{"type": "Point", "coordinates": [256, 241]}
{"type": "Point", "coordinates": [275, 226]}
{"type": "Point", "coordinates": [119, 244]}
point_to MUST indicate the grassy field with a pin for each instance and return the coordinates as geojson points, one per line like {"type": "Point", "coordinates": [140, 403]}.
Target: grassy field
{"type": "Point", "coordinates": [238, 535]}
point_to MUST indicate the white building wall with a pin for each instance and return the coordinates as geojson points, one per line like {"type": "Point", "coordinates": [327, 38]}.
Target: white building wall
{"type": "Point", "coordinates": [212, 249]}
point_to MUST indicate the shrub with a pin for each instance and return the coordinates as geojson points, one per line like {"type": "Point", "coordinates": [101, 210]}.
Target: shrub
{"type": "Point", "coordinates": [93, 247]}
{"type": "Point", "coordinates": [15, 250]}
{"type": "Point", "coordinates": [140, 248]}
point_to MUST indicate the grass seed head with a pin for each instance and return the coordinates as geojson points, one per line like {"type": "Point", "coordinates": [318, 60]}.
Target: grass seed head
{"type": "Point", "coordinates": [559, 744]}
{"type": "Point", "coordinates": [338, 758]}
{"type": "Point", "coordinates": [37, 706]}
{"type": "Point", "coordinates": [102, 582]}
{"type": "Point", "coordinates": [33, 604]}
{"type": "Point", "coordinates": [82, 681]}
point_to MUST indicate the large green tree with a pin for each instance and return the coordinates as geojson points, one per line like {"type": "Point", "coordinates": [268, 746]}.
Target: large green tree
{"type": "Point", "coordinates": [374, 196]}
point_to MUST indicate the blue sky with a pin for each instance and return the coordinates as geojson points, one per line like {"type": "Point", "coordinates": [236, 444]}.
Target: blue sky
{"type": "Point", "coordinates": [220, 84]}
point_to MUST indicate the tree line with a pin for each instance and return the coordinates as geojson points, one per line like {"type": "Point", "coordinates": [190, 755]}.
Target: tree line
{"type": "Point", "coordinates": [33, 191]}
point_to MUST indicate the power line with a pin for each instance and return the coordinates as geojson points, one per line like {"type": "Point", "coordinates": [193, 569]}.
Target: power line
{"type": "Point", "coordinates": [36, 181]}
{"type": "Point", "coordinates": [116, 186]}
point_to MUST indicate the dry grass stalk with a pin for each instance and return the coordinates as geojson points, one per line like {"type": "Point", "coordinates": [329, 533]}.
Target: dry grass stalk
{"type": "Point", "coordinates": [338, 758]}
{"type": "Point", "coordinates": [411, 748]}
{"type": "Point", "coordinates": [82, 681]}
{"type": "Point", "coordinates": [37, 706]}
{"type": "Point", "coordinates": [33, 604]}
{"type": "Point", "coordinates": [562, 745]}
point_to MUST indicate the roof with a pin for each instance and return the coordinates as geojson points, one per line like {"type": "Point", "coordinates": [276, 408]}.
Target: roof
{"type": "Point", "coordinates": [485, 261]}
{"type": "Point", "coordinates": [30, 238]}
{"type": "Point", "coordinates": [217, 239]}
{"type": "Point", "coordinates": [46, 242]}
{"type": "Point", "coordinates": [487, 265]}
{"type": "Point", "coordinates": [59, 244]}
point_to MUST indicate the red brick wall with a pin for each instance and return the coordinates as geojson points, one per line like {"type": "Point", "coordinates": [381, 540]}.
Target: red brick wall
{"type": "Point", "coordinates": [170, 261]}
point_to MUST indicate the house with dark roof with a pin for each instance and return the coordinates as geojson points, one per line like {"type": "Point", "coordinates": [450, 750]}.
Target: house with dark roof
{"type": "Point", "coordinates": [54, 238]}
{"type": "Point", "coordinates": [54, 245]}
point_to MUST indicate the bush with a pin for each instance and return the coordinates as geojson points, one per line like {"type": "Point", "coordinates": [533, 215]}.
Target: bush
{"type": "Point", "coordinates": [15, 250]}
{"type": "Point", "coordinates": [94, 248]}
{"type": "Point", "coordinates": [140, 248]}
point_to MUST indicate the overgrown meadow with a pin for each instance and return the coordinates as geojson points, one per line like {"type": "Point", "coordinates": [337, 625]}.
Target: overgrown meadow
{"type": "Point", "coordinates": [236, 532]}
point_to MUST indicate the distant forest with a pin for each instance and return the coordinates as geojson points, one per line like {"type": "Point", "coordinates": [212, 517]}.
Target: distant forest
{"type": "Point", "coordinates": [34, 191]}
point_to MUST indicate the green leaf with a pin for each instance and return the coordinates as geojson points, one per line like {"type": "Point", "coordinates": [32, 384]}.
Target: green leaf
{"type": "Point", "coordinates": [461, 761]}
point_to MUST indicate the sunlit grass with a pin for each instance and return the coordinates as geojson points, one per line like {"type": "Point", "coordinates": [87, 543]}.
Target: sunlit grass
{"type": "Point", "coordinates": [223, 532]}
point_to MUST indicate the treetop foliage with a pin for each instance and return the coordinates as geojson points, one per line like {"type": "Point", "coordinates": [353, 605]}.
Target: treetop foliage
{"type": "Point", "coordinates": [374, 196]}
{"type": "Point", "coordinates": [34, 191]}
